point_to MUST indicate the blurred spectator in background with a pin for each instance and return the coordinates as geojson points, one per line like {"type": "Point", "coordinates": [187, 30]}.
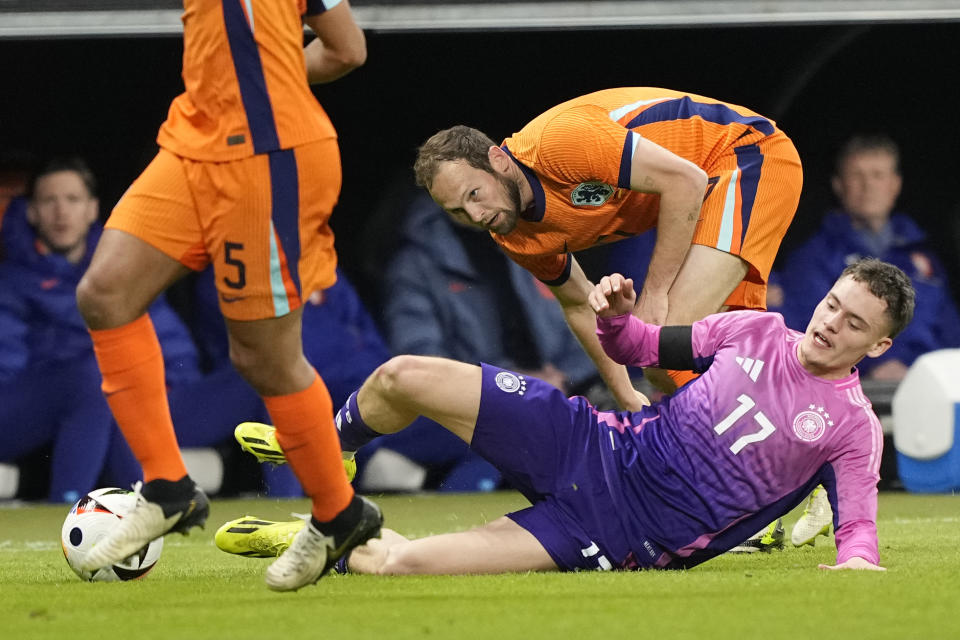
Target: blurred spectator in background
{"type": "Point", "coordinates": [49, 382]}
{"type": "Point", "coordinates": [340, 340]}
{"type": "Point", "coordinates": [450, 292]}
{"type": "Point", "coordinates": [14, 177]}
{"type": "Point", "coordinates": [867, 183]}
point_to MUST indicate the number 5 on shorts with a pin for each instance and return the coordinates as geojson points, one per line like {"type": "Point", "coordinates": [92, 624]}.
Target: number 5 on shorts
{"type": "Point", "coordinates": [233, 261]}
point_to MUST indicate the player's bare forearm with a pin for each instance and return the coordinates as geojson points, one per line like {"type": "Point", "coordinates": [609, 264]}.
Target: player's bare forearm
{"type": "Point", "coordinates": [680, 185]}
{"type": "Point", "coordinates": [679, 212]}
{"type": "Point", "coordinates": [574, 298]}
{"type": "Point", "coordinates": [340, 46]}
{"type": "Point", "coordinates": [583, 323]}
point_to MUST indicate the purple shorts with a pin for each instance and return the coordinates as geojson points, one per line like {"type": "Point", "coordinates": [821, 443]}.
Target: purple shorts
{"type": "Point", "coordinates": [547, 447]}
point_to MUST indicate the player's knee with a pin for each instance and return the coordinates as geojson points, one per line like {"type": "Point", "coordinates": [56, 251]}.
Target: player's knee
{"type": "Point", "coordinates": [261, 373]}
{"type": "Point", "coordinates": [271, 372]}
{"type": "Point", "coordinates": [98, 301]}
{"type": "Point", "coordinates": [245, 360]}
{"type": "Point", "coordinates": [397, 375]}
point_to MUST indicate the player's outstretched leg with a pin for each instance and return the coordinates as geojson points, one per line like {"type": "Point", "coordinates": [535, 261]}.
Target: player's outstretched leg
{"type": "Point", "coordinates": [317, 547]}
{"type": "Point", "coordinates": [815, 521]}
{"type": "Point", "coordinates": [162, 506]}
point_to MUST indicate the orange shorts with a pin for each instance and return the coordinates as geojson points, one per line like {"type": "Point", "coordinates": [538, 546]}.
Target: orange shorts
{"type": "Point", "coordinates": [261, 221]}
{"type": "Point", "coordinates": [752, 195]}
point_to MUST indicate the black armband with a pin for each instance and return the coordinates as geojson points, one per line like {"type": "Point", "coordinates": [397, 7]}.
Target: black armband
{"type": "Point", "coordinates": [676, 348]}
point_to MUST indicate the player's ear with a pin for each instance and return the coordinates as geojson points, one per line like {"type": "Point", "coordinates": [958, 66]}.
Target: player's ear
{"type": "Point", "coordinates": [498, 158]}
{"type": "Point", "coordinates": [880, 347]}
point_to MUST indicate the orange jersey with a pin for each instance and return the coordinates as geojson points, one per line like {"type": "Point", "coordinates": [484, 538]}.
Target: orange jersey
{"type": "Point", "coordinates": [246, 82]}
{"type": "Point", "coordinates": [577, 158]}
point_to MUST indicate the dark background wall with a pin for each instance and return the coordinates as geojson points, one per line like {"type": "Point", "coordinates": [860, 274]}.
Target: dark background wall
{"type": "Point", "coordinates": [105, 98]}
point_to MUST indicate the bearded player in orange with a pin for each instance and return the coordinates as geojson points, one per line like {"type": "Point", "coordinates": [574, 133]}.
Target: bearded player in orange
{"type": "Point", "coordinates": [246, 177]}
{"type": "Point", "coordinates": [719, 182]}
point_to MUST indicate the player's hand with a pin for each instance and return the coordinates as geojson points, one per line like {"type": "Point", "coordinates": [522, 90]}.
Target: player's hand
{"type": "Point", "coordinates": [612, 296]}
{"type": "Point", "coordinates": [637, 402]}
{"type": "Point", "coordinates": [855, 562]}
{"type": "Point", "coordinates": [652, 308]}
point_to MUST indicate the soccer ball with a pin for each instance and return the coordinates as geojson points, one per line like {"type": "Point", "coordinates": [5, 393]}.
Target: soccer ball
{"type": "Point", "coordinates": [90, 519]}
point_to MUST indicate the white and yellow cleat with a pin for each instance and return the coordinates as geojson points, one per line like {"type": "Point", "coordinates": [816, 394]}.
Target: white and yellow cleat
{"type": "Point", "coordinates": [176, 507]}
{"type": "Point", "coordinates": [311, 554]}
{"type": "Point", "coordinates": [815, 521]}
{"type": "Point", "coordinates": [261, 440]}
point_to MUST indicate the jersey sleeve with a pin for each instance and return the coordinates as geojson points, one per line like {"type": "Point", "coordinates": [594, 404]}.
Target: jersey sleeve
{"type": "Point", "coordinates": [855, 509]}
{"type": "Point", "coordinates": [583, 144]}
{"type": "Point", "coordinates": [316, 7]}
{"type": "Point", "coordinates": [629, 341]}
{"type": "Point", "coordinates": [552, 270]}
{"type": "Point", "coordinates": [712, 332]}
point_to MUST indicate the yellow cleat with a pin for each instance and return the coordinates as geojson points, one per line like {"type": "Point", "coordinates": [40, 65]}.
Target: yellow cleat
{"type": "Point", "coordinates": [261, 441]}
{"type": "Point", "coordinates": [256, 538]}
{"type": "Point", "coordinates": [767, 539]}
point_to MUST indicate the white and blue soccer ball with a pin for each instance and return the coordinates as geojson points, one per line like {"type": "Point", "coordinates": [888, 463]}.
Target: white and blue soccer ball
{"type": "Point", "coordinates": [92, 518]}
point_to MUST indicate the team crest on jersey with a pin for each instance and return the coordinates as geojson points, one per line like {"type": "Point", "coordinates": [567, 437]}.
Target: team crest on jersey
{"type": "Point", "coordinates": [592, 194]}
{"type": "Point", "coordinates": [511, 382]}
{"type": "Point", "coordinates": [810, 425]}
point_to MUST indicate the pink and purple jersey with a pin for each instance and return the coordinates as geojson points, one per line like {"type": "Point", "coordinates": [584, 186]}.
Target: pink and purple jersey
{"type": "Point", "coordinates": [740, 446]}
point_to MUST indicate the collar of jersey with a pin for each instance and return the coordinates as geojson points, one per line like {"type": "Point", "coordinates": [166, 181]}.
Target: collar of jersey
{"type": "Point", "coordinates": [535, 212]}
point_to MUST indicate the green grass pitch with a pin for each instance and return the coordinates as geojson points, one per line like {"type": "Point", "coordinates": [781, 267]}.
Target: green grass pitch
{"type": "Point", "coordinates": [196, 591]}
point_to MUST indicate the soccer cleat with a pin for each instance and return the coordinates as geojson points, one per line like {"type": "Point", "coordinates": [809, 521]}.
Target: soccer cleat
{"type": "Point", "coordinates": [256, 538]}
{"type": "Point", "coordinates": [261, 440]}
{"type": "Point", "coordinates": [148, 521]}
{"type": "Point", "coordinates": [767, 539]}
{"type": "Point", "coordinates": [815, 521]}
{"type": "Point", "coordinates": [311, 553]}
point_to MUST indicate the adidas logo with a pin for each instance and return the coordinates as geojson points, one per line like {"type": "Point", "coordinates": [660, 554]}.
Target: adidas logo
{"type": "Point", "coordinates": [750, 366]}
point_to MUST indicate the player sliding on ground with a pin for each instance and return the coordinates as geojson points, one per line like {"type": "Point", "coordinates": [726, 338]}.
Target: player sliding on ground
{"type": "Point", "coordinates": [774, 414]}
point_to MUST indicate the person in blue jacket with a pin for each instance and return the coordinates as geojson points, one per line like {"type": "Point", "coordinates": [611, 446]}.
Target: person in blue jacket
{"type": "Point", "coordinates": [450, 292]}
{"type": "Point", "coordinates": [867, 182]}
{"type": "Point", "coordinates": [49, 381]}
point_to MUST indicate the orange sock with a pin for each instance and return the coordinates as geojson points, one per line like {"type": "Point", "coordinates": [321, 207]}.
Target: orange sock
{"type": "Point", "coordinates": [681, 378]}
{"type": "Point", "coordinates": [305, 430]}
{"type": "Point", "coordinates": [133, 382]}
